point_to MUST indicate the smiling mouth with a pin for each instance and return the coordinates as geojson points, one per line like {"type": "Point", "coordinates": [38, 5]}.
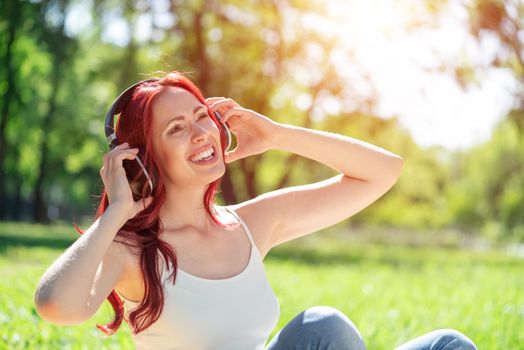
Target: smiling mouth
{"type": "Point", "coordinates": [211, 158]}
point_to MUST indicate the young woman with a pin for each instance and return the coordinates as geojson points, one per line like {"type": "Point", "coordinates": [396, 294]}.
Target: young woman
{"type": "Point", "coordinates": [191, 271]}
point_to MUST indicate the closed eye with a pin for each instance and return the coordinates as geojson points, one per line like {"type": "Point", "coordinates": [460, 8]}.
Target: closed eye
{"type": "Point", "coordinates": [175, 129]}
{"type": "Point", "coordinates": [179, 127]}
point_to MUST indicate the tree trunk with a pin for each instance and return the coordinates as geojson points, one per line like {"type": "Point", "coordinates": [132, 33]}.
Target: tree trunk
{"type": "Point", "coordinates": [14, 14]}
{"type": "Point", "coordinates": [40, 206]}
{"type": "Point", "coordinates": [17, 202]}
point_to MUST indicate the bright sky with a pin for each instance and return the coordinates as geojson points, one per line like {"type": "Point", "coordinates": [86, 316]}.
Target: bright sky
{"type": "Point", "coordinates": [429, 104]}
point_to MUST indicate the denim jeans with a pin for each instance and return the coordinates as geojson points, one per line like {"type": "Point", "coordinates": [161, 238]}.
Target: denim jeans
{"type": "Point", "coordinates": [327, 328]}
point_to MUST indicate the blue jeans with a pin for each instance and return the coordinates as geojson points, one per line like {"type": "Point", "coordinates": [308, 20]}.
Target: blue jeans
{"type": "Point", "coordinates": [327, 328]}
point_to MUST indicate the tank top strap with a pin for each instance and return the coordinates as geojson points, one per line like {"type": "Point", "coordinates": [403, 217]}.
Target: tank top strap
{"type": "Point", "coordinates": [243, 225]}
{"type": "Point", "coordinates": [164, 265]}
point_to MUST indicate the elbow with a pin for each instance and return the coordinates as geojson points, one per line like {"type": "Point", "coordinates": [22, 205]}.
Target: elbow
{"type": "Point", "coordinates": [396, 170]}
{"type": "Point", "coordinates": [53, 314]}
{"type": "Point", "coordinates": [46, 312]}
{"type": "Point", "coordinates": [390, 172]}
{"type": "Point", "coordinates": [42, 304]}
{"type": "Point", "coordinates": [399, 165]}
{"type": "Point", "coordinates": [58, 315]}
{"type": "Point", "coordinates": [395, 167]}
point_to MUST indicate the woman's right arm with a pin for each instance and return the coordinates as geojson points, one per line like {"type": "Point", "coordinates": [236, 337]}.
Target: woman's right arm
{"type": "Point", "coordinates": [63, 293]}
{"type": "Point", "coordinates": [75, 285]}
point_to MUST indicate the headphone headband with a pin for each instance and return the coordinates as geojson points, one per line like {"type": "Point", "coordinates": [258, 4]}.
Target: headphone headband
{"type": "Point", "coordinates": [116, 108]}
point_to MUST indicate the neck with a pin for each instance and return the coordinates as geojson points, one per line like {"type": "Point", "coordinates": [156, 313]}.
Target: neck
{"type": "Point", "coordinates": [184, 208]}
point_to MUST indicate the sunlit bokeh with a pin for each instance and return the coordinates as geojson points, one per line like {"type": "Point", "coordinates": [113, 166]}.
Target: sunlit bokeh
{"type": "Point", "coordinates": [438, 83]}
{"type": "Point", "coordinates": [408, 57]}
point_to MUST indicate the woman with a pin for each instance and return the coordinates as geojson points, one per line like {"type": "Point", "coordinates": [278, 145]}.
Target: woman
{"type": "Point", "coordinates": [147, 237]}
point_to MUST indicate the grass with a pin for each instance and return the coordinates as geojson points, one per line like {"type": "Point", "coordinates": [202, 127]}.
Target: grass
{"type": "Point", "coordinates": [393, 292]}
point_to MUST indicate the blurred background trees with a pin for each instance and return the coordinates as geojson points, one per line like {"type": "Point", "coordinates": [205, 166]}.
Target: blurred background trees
{"type": "Point", "coordinates": [64, 61]}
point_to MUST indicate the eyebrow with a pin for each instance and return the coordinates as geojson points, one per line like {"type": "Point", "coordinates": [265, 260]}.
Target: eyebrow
{"type": "Point", "coordinates": [181, 117]}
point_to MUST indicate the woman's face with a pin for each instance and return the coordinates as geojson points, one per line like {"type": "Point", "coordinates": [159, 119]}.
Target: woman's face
{"type": "Point", "coordinates": [182, 129]}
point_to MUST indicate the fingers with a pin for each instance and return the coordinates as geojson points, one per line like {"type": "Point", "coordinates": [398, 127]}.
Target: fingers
{"type": "Point", "coordinates": [117, 158]}
{"type": "Point", "coordinates": [210, 100]}
{"type": "Point", "coordinates": [108, 155]}
{"type": "Point", "coordinates": [231, 112]}
{"type": "Point", "coordinates": [221, 104]}
{"type": "Point", "coordinates": [114, 158]}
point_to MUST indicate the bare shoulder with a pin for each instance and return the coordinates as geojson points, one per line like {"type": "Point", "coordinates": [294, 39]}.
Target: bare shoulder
{"type": "Point", "coordinates": [259, 218]}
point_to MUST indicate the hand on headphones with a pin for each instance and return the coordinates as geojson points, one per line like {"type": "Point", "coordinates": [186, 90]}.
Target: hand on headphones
{"type": "Point", "coordinates": [253, 131]}
{"type": "Point", "coordinates": [116, 184]}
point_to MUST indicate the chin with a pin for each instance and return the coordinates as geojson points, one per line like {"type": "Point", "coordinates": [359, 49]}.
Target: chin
{"type": "Point", "coordinates": [217, 173]}
{"type": "Point", "coordinates": [220, 173]}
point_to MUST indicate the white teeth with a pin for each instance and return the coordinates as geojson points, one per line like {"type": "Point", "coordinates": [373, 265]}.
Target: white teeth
{"type": "Point", "coordinates": [200, 156]}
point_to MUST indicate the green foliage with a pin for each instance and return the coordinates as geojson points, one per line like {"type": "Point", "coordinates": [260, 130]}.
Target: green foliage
{"type": "Point", "coordinates": [239, 50]}
{"type": "Point", "coordinates": [489, 193]}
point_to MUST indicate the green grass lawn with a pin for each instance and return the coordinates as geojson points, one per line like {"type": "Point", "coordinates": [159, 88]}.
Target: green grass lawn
{"type": "Point", "coordinates": [392, 292]}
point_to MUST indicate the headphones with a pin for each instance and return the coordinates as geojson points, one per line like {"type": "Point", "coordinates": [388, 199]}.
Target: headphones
{"type": "Point", "coordinates": [118, 106]}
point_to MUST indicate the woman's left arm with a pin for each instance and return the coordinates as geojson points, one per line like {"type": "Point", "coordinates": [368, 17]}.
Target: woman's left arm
{"type": "Point", "coordinates": [366, 173]}
{"type": "Point", "coordinates": [353, 158]}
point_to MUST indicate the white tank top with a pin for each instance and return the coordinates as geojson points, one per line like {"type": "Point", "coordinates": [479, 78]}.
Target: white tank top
{"type": "Point", "coordinates": [236, 313]}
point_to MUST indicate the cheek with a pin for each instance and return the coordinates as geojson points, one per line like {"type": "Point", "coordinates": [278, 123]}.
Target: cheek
{"type": "Point", "coordinates": [213, 129]}
{"type": "Point", "coordinates": [211, 124]}
{"type": "Point", "coordinates": [173, 157]}
{"type": "Point", "coordinates": [170, 155]}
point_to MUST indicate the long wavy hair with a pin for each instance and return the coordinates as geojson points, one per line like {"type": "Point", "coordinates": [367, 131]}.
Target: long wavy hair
{"type": "Point", "coordinates": [140, 234]}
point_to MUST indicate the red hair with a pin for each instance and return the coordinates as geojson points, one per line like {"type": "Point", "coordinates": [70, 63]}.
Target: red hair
{"type": "Point", "coordinates": [141, 232]}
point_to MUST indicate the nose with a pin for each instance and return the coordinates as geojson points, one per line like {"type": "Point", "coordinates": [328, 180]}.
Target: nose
{"type": "Point", "coordinates": [199, 133]}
